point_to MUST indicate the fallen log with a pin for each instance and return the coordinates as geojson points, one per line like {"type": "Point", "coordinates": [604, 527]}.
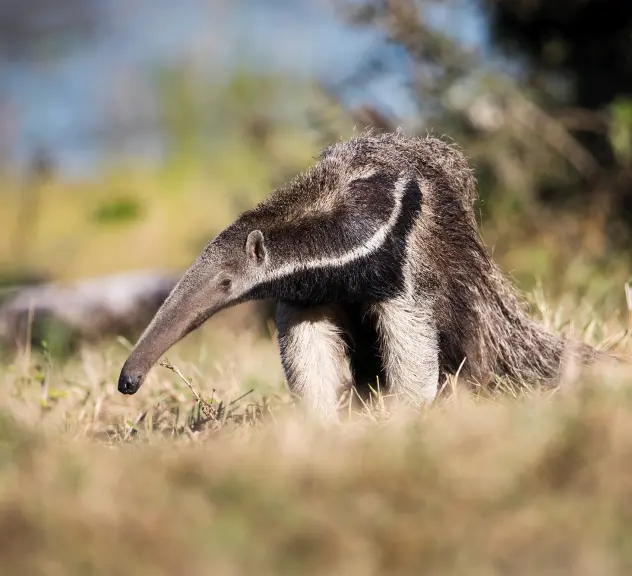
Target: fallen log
{"type": "Point", "coordinates": [59, 315]}
{"type": "Point", "coordinates": [89, 309]}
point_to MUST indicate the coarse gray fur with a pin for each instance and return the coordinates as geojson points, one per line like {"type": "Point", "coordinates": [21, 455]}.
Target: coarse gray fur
{"type": "Point", "coordinates": [374, 258]}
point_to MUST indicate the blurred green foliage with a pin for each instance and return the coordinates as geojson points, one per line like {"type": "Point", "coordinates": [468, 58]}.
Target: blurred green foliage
{"type": "Point", "coordinates": [118, 210]}
{"type": "Point", "coordinates": [621, 129]}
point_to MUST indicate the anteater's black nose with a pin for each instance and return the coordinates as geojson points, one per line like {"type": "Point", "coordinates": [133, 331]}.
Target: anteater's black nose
{"type": "Point", "coordinates": [128, 384]}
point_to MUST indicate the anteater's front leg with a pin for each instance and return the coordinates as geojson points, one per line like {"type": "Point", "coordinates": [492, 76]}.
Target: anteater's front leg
{"type": "Point", "coordinates": [409, 347]}
{"type": "Point", "coordinates": [314, 354]}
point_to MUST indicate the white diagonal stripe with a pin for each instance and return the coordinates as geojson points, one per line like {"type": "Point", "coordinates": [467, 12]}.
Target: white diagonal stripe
{"type": "Point", "coordinates": [370, 246]}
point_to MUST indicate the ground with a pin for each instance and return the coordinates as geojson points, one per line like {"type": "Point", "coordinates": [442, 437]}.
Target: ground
{"type": "Point", "coordinates": [93, 482]}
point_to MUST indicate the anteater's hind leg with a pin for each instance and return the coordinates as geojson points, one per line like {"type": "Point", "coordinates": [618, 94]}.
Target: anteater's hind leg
{"type": "Point", "coordinates": [410, 349]}
{"type": "Point", "coordinates": [313, 348]}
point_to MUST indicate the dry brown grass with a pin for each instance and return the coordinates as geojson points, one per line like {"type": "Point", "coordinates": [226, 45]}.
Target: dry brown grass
{"type": "Point", "coordinates": [522, 482]}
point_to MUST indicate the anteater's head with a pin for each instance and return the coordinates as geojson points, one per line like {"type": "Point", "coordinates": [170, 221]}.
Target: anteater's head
{"type": "Point", "coordinates": [220, 277]}
{"type": "Point", "coordinates": [251, 253]}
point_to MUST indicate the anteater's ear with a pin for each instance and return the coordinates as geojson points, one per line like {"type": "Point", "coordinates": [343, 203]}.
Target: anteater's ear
{"type": "Point", "coordinates": [255, 247]}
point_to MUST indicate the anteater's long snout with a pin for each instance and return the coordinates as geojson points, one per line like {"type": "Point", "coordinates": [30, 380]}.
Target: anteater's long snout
{"type": "Point", "coordinates": [190, 303]}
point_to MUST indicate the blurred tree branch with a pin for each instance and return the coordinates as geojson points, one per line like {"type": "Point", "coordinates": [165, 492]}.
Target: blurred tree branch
{"type": "Point", "coordinates": [434, 63]}
{"type": "Point", "coordinates": [531, 146]}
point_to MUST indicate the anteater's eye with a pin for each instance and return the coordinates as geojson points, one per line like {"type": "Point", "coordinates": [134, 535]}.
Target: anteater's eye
{"type": "Point", "coordinates": [225, 283]}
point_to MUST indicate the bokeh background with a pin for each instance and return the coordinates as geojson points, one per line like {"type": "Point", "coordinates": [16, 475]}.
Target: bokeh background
{"type": "Point", "coordinates": [133, 131]}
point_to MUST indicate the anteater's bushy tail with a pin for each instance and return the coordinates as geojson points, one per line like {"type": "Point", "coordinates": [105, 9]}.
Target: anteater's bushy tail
{"type": "Point", "coordinates": [484, 320]}
{"type": "Point", "coordinates": [517, 347]}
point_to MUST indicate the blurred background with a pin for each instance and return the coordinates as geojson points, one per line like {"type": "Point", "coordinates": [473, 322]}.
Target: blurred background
{"type": "Point", "coordinates": [132, 131]}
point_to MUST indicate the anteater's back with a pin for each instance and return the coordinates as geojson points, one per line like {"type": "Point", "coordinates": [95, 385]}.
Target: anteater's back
{"type": "Point", "coordinates": [479, 315]}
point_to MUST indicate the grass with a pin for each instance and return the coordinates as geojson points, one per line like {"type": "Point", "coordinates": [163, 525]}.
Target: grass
{"type": "Point", "coordinates": [212, 469]}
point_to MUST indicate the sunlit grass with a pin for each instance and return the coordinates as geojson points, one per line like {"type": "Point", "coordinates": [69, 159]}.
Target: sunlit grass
{"type": "Point", "coordinates": [520, 481]}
